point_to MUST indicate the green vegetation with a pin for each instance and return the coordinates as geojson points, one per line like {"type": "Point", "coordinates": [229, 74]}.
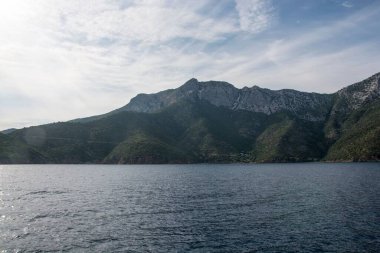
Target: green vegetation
{"type": "Point", "coordinates": [187, 132]}
{"type": "Point", "coordinates": [14, 151]}
{"type": "Point", "coordinates": [360, 136]}
{"type": "Point", "coordinates": [195, 131]}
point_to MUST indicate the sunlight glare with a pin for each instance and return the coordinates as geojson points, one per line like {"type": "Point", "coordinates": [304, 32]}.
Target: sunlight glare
{"type": "Point", "coordinates": [14, 14]}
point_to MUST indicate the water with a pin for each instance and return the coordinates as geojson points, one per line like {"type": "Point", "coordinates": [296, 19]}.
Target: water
{"type": "Point", "coordinates": [199, 208]}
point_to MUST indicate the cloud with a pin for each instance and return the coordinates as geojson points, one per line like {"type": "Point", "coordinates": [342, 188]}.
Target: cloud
{"type": "Point", "coordinates": [147, 21]}
{"type": "Point", "coordinates": [347, 4]}
{"type": "Point", "coordinates": [61, 60]}
{"type": "Point", "coordinates": [312, 60]}
{"type": "Point", "coordinates": [255, 15]}
{"type": "Point", "coordinates": [325, 72]}
{"type": "Point", "coordinates": [75, 58]}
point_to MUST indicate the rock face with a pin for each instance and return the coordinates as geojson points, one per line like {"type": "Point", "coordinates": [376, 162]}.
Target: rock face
{"type": "Point", "coordinates": [309, 106]}
{"type": "Point", "coordinates": [349, 99]}
{"type": "Point", "coordinates": [213, 122]}
{"type": "Point", "coordinates": [359, 93]}
{"type": "Point", "coordinates": [304, 105]}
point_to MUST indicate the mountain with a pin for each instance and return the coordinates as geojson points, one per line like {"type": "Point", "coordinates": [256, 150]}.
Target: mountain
{"type": "Point", "coordinates": [213, 122]}
{"type": "Point", "coordinates": [309, 106]}
{"type": "Point", "coordinates": [8, 131]}
{"type": "Point", "coordinates": [353, 126]}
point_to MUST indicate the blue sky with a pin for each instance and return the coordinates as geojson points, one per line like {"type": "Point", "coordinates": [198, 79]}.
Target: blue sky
{"type": "Point", "coordinates": [64, 59]}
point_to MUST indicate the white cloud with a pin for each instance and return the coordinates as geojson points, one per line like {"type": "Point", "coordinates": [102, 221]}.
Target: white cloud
{"type": "Point", "coordinates": [255, 15]}
{"type": "Point", "coordinates": [315, 60]}
{"type": "Point", "coordinates": [146, 21]}
{"type": "Point", "coordinates": [61, 60]}
{"type": "Point", "coordinates": [325, 72]}
{"type": "Point", "coordinates": [347, 4]}
{"type": "Point", "coordinates": [72, 59]}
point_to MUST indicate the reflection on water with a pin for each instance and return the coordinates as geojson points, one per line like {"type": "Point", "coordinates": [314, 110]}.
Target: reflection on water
{"type": "Point", "coordinates": [270, 208]}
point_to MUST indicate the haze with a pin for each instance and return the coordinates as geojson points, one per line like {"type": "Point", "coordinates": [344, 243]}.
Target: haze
{"type": "Point", "coordinates": [61, 60]}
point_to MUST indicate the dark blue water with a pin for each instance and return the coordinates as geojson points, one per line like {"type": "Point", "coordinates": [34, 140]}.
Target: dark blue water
{"type": "Point", "coordinates": [199, 208]}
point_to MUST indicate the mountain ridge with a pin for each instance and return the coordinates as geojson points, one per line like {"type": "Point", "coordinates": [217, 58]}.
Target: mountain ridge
{"type": "Point", "coordinates": [213, 122]}
{"type": "Point", "coordinates": [253, 98]}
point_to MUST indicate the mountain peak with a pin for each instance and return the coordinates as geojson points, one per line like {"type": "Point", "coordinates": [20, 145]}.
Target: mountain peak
{"type": "Point", "coordinates": [305, 105]}
{"type": "Point", "coordinates": [224, 94]}
{"type": "Point", "coordinates": [191, 81]}
{"type": "Point", "coordinates": [361, 92]}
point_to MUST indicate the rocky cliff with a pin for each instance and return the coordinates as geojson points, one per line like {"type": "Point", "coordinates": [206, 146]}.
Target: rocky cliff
{"type": "Point", "coordinates": [309, 106]}
{"type": "Point", "coordinates": [213, 122]}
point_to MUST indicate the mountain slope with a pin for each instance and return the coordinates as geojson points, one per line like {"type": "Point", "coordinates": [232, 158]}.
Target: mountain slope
{"type": "Point", "coordinates": [291, 140]}
{"type": "Point", "coordinates": [213, 122]}
{"type": "Point", "coordinates": [14, 151]}
{"type": "Point", "coordinates": [349, 99]}
{"type": "Point", "coordinates": [185, 132]}
{"type": "Point", "coordinates": [310, 106]}
{"type": "Point", "coordinates": [360, 136]}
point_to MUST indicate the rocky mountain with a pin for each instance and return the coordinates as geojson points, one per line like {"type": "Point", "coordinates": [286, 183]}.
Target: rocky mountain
{"type": "Point", "coordinates": [309, 106]}
{"type": "Point", "coordinates": [359, 93]}
{"type": "Point", "coordinates": [349, 99]}
{"type": "Point", "coordinates": [213, 122]}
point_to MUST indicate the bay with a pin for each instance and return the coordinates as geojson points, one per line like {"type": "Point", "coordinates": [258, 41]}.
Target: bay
{"type": "Point", "coordinates": [304, 207]}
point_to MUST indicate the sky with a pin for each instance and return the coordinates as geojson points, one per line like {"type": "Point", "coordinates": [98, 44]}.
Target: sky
{"type": "Point", "coordinates": [66, 59]}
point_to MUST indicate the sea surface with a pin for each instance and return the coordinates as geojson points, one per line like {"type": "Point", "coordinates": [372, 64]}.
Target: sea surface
{"type": "Point", "coordinates": [311, 207]}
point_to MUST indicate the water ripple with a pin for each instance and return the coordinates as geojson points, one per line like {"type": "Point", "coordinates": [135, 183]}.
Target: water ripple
{"type": "Point", "coordinates": [202, 208]}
